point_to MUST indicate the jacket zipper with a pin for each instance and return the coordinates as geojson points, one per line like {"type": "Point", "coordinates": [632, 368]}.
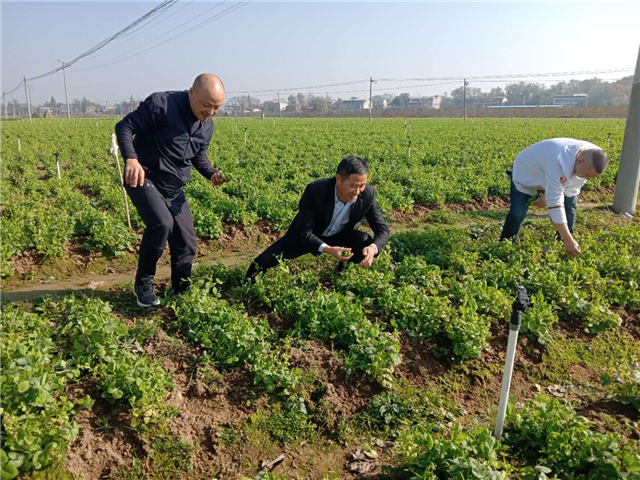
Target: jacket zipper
{"type": "Point", "coordinates": [189, 143]}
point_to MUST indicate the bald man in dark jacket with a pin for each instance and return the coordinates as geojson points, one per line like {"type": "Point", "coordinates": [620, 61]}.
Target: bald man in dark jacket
{"type": "Point", "coordinates": [160, 141]}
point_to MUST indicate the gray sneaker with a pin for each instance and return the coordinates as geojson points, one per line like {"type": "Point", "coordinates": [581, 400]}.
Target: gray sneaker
{"type": "Point", "coordinates": [145, 296]}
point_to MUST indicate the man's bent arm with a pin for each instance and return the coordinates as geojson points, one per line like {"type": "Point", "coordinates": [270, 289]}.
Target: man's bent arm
{"type": "Point", "coordinates": [147, 116]}
{"type": "Point", "coordinates": [201, 162]}
{"type": "Point", "coordinates": [306, 222]}
{"type": "Point", "coordinates": [377, 224]}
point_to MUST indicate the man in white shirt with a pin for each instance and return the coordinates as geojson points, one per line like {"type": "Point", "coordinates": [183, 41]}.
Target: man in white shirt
{"type": "Point", "coordinates": [559, 167]}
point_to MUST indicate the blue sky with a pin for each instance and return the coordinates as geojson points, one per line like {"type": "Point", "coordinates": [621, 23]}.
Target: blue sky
{"type": "Point", "coordinates": [279, 45]}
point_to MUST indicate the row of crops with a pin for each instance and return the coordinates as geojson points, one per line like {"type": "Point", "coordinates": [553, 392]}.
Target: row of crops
{"type": "Point", "coordinates": [448, 287]}
{"type": "Point", "coordinates": [418, 161]}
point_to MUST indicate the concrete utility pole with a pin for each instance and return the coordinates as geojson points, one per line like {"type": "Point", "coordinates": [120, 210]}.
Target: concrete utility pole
{"type": "Point", "coordinates": [464, 97]}
{"type": "Point", "coordinates": [6, 114]}
{"type": "Point", "coordinates": [370, 98]}
{"type": "Point", "coordinates": [628, 181]}
{"type": "Point", "coordinates": [66, 95]}
{"type": "Point", "coordinates": [26, 92]}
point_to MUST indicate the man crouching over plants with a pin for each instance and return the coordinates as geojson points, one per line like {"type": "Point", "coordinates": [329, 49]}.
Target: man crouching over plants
{"type": "Point", "coordinates": [560, 167]}
{"type": "Point", "coordinates": [327, 222]}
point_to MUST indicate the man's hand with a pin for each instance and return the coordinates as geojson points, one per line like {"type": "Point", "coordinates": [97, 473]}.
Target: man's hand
{"type": "Point", "coordinates": [134, 173]}
{"type": "Point", "coordinates": [540, 202]}
{"type": "Point", "coordinates": [218, 178]}
{"type": "Point", "coordinates": [340, 253]}
{"type": "Point", "coordinates": [572, 247]}
{"type": "Point", "coordinates": [368, 252]}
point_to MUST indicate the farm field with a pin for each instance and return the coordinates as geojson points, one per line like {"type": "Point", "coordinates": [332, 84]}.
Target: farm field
{"type": "Point", "coordinates": [47, 221]}
{"type": "Point", "coordinates": [392, 372]}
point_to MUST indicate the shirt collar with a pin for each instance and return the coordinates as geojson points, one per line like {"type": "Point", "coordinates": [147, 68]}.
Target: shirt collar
{"type": "Point", "coordinates": [186, 106]}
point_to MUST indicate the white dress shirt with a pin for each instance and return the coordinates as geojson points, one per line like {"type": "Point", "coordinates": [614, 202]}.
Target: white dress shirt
{"type": "Point", "coordinates": [339, 219]}
{"type": "Point", "coordinates": [548, 165]}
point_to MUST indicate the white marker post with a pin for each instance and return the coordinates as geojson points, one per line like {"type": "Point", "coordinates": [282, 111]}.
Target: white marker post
{"type": "Point", "coordinates": [57, 154]}
{"type": "Point", "coordinates": [517, 309]}
{"type": "Point", "coordinates": [114, 152]}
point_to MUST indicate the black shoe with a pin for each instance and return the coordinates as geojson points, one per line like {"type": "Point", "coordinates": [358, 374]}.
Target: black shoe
{"type": "Point", "coordinates": [145, 296]}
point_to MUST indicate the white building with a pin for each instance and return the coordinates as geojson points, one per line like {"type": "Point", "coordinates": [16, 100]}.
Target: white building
{"type": "Point", "coordinates": [575, 100]}
{"type": "Point", "coordinates": [425, 102]}
{"type": "Point", "coordinates": [380, 104]}
{"type": "Point", "coordinates": [354, 105]}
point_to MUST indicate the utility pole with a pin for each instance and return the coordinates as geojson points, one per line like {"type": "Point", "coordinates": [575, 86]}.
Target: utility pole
{"type": "Point", "coordinates": [464, 97]}
{"type": "Point", "coordinates": [26, 92]}
{"type": "Point", "coordinates": [279, 109]}
{"type": "Point", "coordinates": [370, 98]}
{"type": "Point", "coordinates": [626, 195]}
{"type": "Point", "coordinates": [131, 103]}
{"type": "Point", "coordinates": [66, 95]}
{"type": "Point", "coordinates": [6, 114]}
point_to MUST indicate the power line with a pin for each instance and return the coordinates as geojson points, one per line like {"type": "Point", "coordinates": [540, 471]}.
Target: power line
{"type": "Point", "coordinates": [295, 89]}
{"type": "Point", "coordinates": [548, 80]}
{"type": "Point", "coordinates": [158, 37]}
{"type": "Point", "coordinates": [150, 21]}
{"type": "Point", "coordinates": [142, 28]}
{"type": "Point", "coordinates": [151, 13]}
{"type": "Point", "coordinates": [359, 91]}
{"type": "Point", "coordinates": [485, 78]}
{"type": "Point", "coordinates": [19, 85]}
{"type": "Point", "coordinates": [519, 75]}
{"type": "Point", "coordinates": [195, 27]}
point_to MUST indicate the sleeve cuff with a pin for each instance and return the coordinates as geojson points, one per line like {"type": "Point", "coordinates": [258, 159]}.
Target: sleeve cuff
{"type": "Point", "coordinates": [321, 248]}
{"type": "Point", "coordinates": [558, 215]}
{"type": "Point", "coordinates": [376, 247]}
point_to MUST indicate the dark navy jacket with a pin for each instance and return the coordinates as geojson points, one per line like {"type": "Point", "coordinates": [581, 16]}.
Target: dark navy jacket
{"type": "Point", "coordinates": [169, 138]}
{"type": "Point", "coordinates": [316, 209]}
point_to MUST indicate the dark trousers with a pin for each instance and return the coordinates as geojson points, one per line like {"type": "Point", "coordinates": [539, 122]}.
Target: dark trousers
{"type": "Point", "coordinates": [354, 239]}
{"type": "Point", "coordinates": [519, 207]}
{"type": "Point", "coordinates": [166, 218]}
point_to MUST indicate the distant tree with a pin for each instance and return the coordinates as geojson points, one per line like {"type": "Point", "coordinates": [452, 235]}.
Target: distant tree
{"type": "Point", "coordinates": [301, 102]}
{"type": "Point", "coordinates": [320, 104]}
{"type": "Point", "coordinates": [292, 104]}
{"type": "Point", "coordinates": [401, 101]}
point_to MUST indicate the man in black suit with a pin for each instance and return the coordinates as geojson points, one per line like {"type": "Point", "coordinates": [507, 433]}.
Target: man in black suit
{"type": "Point", "coordinates": [328, 218]}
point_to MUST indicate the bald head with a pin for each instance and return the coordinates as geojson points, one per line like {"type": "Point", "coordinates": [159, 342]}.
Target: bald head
{"type": "Point", "coordinates": [591, 163]}
{"type": "Point", "coordinates": [206, 96]}
{"type": "Point", "coordinates": [208, 81]}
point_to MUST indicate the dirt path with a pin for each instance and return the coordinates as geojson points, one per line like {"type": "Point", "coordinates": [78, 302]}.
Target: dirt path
{"type": "Point", "coordinates": [103, 282]}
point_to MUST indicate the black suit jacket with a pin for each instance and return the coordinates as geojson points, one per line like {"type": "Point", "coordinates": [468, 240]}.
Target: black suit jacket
{"type": "Point", "coordinates": [316, 209]}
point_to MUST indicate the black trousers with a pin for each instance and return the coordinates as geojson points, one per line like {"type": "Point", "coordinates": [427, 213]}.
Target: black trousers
{"type": "Point", "coordinates": [354, 239]}
{"type": "Point", "coordinates": [166, 218]}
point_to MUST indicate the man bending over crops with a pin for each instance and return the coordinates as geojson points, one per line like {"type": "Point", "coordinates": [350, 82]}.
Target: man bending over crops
{"type": "Point", "coordinates": [328, 218]}
{"type": "Point", "coordinates": [560, 167]}
{"type": "Point", "coordinates": [172, 132]}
